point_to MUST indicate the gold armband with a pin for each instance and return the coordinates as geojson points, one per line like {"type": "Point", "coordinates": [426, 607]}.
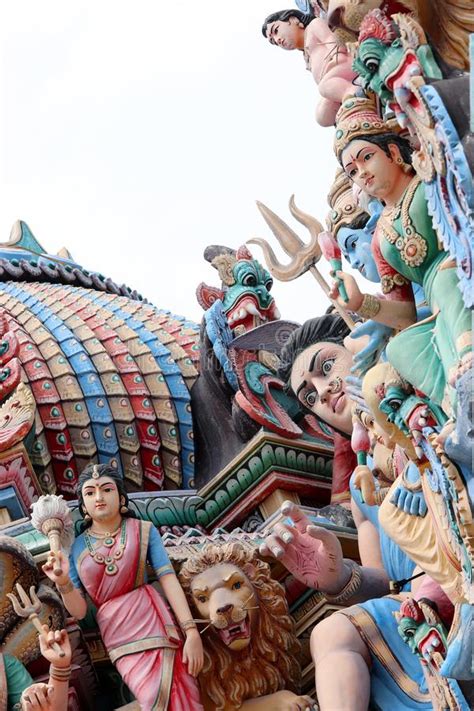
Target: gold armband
{"type": "Point", "coordinates": [350, 588]}
{"type": "Point", "coordinates": [188, 625]}
{"type": "Point", "coordinates": [60, 673]}
{"type": "Point", "coordinates": [370, 306]}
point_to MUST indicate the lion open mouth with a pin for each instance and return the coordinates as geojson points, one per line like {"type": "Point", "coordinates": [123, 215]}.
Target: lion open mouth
{"type": "Point", "coordinates": [236, 630]}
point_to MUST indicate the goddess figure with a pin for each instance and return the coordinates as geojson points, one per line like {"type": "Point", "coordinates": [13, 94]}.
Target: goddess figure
{"type": "Point", "coordinates": [108, 561]}
{"type": "Point", "coordinates": [435, 352]}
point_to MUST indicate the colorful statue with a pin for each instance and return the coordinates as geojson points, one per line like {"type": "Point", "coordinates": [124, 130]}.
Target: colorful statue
{"type": "Point", "coordinates": [406, 250]}
{"type": "Point", "coordinates": [17, 689]}
{"type": "Point", "coordinates": [395, 60]}
{"type": "Point", "coordinates": [316, 373]}
{"type": "Point", "coordinates": [381, 56]}
{"type": "Point", "coordinates": [326, 58]}
{"type": "Point", "coordinates": [241, 303]}
{"type": "Point", "coordinates": [249, 643]}
{"type": "Point", "coordinates": [448, 23]}
{"type": "Point", "coordinates": [411, 511]}
{"type": "Point", "coordinates": [108, 561]}
{"type": "Point", "coordinates": [19, 639]}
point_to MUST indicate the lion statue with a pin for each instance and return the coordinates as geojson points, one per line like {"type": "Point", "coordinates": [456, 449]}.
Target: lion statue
{"type": "Point", "coordinates": [250, 645]}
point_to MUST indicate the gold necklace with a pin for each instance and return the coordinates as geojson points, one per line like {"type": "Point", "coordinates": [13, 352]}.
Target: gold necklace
{"type": "Point", "coordinates": [412, 246]}
{"type": "Point", "coordinates": [106, 535]}
{"type": "Point", "coordinates": [110, 561]}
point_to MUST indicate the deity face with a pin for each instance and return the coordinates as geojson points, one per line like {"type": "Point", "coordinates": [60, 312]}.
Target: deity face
{"type": "Point", "coordinates": [287, 35]}
{"type": "Point", "coordinates": [356, 248]}
{"type": "Point", "coordinates": [375, 62]}
{"type": "Point", "coordinates": [371, 168]}
{"type": "Point", "coordinates": [101, 498]}
{"type": "Point", "coordinates": [318, 381]}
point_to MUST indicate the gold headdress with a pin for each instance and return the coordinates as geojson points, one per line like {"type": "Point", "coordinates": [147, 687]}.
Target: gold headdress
{"type": "Point", "coordinates": [343, 204]}
{"type": "Point", "coordinates": [359, 116]}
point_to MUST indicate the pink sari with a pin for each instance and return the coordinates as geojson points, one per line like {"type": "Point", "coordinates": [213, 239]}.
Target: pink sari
{"type": "Point", "coordinates": [137, 627]}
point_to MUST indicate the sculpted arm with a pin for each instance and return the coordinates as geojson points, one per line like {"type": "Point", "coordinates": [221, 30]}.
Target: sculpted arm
{"type": "Point", "coordinates": [74, 600]}
{"type": "Point", "coordinates": [193, 653]}
{"type": "Point", "coordinates": [314, 556]}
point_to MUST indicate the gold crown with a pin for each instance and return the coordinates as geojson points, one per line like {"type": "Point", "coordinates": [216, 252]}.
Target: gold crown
{"type": "Point", "coordinates": [359, 116]}
{"type": "Point", "coordinates": [344, 206]}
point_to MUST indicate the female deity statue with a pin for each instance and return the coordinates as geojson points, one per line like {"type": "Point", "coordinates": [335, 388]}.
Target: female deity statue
{"type": "Point", "coordinates": [406, 250]}
{"type": "Point", "coordinates": [326, 58]}
{"type": "Point", "coordinates": [358, 648]}
{"type": "Point", "coordinates": [108, 560]}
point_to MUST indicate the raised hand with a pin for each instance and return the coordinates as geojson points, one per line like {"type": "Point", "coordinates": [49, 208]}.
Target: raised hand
{"type": "Point", "coordinates": [60, 637]}
{"type": "Point", "coordinates": [311, 553]}
{"type": "Point", "coordinates": [354, 294]}
{"type": "Point", "coordinates": [51, 563]}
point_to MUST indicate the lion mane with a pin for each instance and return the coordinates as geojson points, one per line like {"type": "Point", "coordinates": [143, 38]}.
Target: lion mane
{"type": "Point", "coordinates": [269, 663]}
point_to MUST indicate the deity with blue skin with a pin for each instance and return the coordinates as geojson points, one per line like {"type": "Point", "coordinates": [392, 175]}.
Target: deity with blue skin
{"type": "Point", "coordinates": [355, 241]}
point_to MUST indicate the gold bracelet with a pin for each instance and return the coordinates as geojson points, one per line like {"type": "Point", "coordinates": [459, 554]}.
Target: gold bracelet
{"type": "Point", "coordinates": [66, 588]}
{"type": "Point", "coordinates": [350, 588]}
{"type": "Point", "coordinates": [60, 673]}
{"type": "Point", "coordinates": [370, 306]}
{"type": "Point", "coordinates": [188, 625]}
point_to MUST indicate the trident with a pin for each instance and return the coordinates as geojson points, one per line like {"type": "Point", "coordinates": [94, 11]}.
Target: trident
{"type": "Point", "coordinates": [30, 609]}
{"type": "Point", "coordinates": [303, 256]}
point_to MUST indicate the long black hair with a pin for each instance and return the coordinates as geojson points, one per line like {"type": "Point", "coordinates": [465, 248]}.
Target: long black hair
{"type": "Point", "coordinates": [384, 140]}
{"type": "Point", "coordinates": [331, 328]}
{"type": "Point", "coordinates": [284, 16]}
{"type": "Point", "coordinates": [101, 470]}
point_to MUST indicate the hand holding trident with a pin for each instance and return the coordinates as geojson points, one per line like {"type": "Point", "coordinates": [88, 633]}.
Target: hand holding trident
{"type": "Point", "coordinates": [29, 608]}
{"type": "Point", "coordinates": [303, 256]}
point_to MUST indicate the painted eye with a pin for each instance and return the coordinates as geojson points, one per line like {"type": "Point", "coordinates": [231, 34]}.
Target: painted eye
{"type": "Point", "coordinates": [353, 243]}
{"type": "Point", "coordinates": [237, 585]}
{"type": "Point", "coordinates": [269, 284]}
{"type": "Point", "coordinates": [311, 398]}
{"type": "Point", "coordinates": [327, 366]}
{"type": "Point", "coordinates": [372, 64]}
{"type": "Point", "coordinates": [249, 280]}
{"type": "Point", "coordinates": [395, 404]}
{"type": "Point", "coordinates": [368, 156]}
{"type": "Point", "coordinates": [202, 599]}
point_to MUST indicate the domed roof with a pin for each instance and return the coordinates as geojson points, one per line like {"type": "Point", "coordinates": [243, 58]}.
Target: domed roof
{"type": "Point", "coordinates": [110, 373]}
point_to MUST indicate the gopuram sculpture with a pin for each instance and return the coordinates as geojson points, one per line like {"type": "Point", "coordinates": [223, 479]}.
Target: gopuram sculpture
{"type": "Point", "coordinates": [260, 514]}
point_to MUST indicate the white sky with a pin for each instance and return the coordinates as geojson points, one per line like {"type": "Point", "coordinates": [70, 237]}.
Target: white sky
{"type": "Point", "coordinates": [137, 133]}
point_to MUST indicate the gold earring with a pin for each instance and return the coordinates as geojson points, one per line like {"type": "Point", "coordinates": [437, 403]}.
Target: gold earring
{"type": "Point", "coordinates": [399, 160]}
{"type": "Point", "coordinates": [123, 508]}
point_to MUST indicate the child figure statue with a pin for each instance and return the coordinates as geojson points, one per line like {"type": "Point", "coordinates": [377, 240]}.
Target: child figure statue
{"type": "Point", "coordinates": [108, 561]}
